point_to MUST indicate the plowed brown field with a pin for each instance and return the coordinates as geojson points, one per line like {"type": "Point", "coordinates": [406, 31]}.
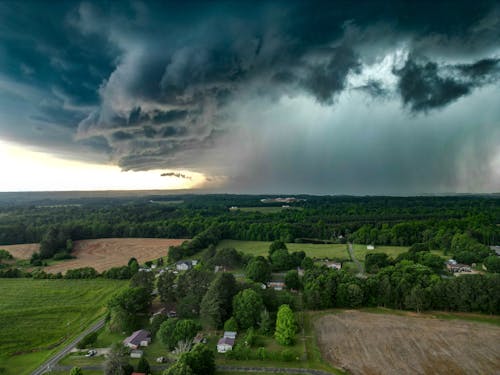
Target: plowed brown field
{"type": "Point", "coordinates": [102, 254]}
{"type": "Point", "coordinates": [367, 343]}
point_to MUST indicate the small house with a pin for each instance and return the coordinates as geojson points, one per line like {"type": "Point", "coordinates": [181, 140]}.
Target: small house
{"type": "Point", "coordinates": [276, 285]}
{"type": "Point", "coordinates": [370, 247]}
{"type": "Point", "coordinates": [137, 339]}
{"type": "Point", "coordinates": [183, 265]}
{"type": "Point", "coordinates": [458, 268]}
{"type": "Point", "coordinates": [136, 354]}
{"type": "Point", "coordinates": [334, 265]}
{"type": "Point", "coordinates": [230, 334]}
{"type": "Point", "coordinates": [225, 344]}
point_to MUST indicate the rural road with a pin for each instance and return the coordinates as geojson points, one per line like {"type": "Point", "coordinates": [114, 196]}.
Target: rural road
{"type": "Point", "coordinates": [360, 266]}
{"type": "Point", "coordinates": [52, 362]}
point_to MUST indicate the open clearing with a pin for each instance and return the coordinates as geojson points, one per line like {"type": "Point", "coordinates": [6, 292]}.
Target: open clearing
{"type": "Point", "coordinates": [37, 316]}
{"type": "Point", "coordinates": [367, 343]}
{"type": "Point", "coordinates": [332, 251]}
{"type": "Point", "coordinates": [22, 251]}
{"type": "Point", "coordinates": [105, 253]}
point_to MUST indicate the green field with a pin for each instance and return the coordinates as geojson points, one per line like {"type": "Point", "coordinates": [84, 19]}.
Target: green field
{"type": "Point", "coordinates": [37, 316]}
{"type": "Point", "coordinates": [332, 251]}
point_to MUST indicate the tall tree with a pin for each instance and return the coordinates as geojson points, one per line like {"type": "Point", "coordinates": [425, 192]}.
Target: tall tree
{"type": "Point", "coordinates": [216, 305]}
{"type": "Point", "coordinates": [286, 326]}
{"type": "Point", "coordinates": [247, 306]}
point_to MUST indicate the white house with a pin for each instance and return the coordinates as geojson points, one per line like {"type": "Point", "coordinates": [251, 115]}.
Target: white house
{"type": "Point", "coordinates": [183, 265]}
{"type": "Point", "coordinates": [370, 247]}
{"type": "Point", "coordinates": [137, 339]}
{"type": "Point", "coordinates": [230, 334]}
{"type": "Point", "coordinates": [225, 344]}
{"type": "Point", "coordinates": [136, 354]}
{"type": "Point", "coordinates": [334, 265]}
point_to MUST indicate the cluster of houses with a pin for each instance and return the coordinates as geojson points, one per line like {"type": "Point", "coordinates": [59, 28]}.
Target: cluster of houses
{"type": "Point", "coordinates": [226, 342]}
{"type": "Point", "coordinates": [185, 265]}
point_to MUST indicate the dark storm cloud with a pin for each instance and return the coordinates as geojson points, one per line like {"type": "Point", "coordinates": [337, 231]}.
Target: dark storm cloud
{"type": "Point", "coordinates": [426, 85]}
{"type": "Point", "coordinates": [178, 175]}
{"type": "Point", "coordinates": [158, 85]}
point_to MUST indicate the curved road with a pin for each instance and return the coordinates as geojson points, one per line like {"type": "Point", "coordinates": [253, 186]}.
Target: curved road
{"type": "Point", "coordinates": [52, 362]}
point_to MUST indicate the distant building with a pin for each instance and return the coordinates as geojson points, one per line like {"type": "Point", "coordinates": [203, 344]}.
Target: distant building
{"type": "Point", "coordinates": [334, 265]}
{"type": "Point", "coordinates": [137, 339]}
{"type": "Point", "coordinates": [225, 344]}
{"type": "Point", "coordinates": [458, 268]}
{"type": "Point", "coordinates": [370, 247]}
{"type": "Point", "coordinates": [496, 249]}
{"type": "Point", "coordinates": [136, 354]}
{"type": "Point", "coordinates": [233, 208]}
{"type": "Point", "coordinates": [276, 285]}
{"type": "Point", "coordinates": [219, 269]}
{"type": "Point", "coordinates": [183, 265]}
{"type": "Point", "coordinates": [230, 334]}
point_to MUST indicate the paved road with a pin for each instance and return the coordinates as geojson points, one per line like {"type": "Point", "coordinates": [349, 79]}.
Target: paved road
{"type": "Point", "coordinates": [360, 266]}
{"type": "Point", "coordinates": [276, 370]}
{"type": "Point", "coordinates": [52, 362]}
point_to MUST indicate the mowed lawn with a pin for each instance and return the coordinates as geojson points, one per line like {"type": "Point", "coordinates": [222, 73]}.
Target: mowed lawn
{"type": "Point", "coordinates": [37, 316]}
{"type": "Point", "coordinates": [332, 251]}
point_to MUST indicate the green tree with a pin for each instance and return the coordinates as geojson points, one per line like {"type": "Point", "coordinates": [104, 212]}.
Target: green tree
{"type": "Point", "coordinates": [247, 306]}
{"type": "Point", "coordinates": [76, 371]}
{"type": "Point", "coordinates": [258, 269]}
{"type": "Point", "coordinates": [179, 368]}
{"type": "Point", "coordinates": [143, 366]}
{"type": "Point", "coordinates": [216, 305]}
{"type": "Point", "coordinates": [201, 360]}
{"type": "Point", "coordinates": [492, 263]}
{"type": "Point", "coordinates": [286, 326]}
{"type": "Point", "coordinates": [281, 260]}
{"type": "Point", "coordinates": [133, 264]}
{"type": "Point", "coordinates": [231, 325]}
{"type": "Point", "coordinates": [166, 289]}
{"type": "Point", "coordinates": [174, 330]}
{"type": "Point", "coordinates": [125, 306]}
{"type": "Point", "coordinates": [276, 245]}
{"type": "Point", "coordinates": [143, 280]}
{"type": "Point", "coordinates": [117, 362]}
{"type": "Point", "coordinates": [292, 280]}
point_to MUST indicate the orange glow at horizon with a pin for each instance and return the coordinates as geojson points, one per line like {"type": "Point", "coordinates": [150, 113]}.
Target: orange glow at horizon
{"type": "Point", "coordinates": [26, 170]}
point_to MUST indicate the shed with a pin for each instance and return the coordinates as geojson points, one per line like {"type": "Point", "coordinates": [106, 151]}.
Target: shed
{"type": "Point", "coordinates": [225, 344]}
{"type": "Point", "coordinates": [136, 354]}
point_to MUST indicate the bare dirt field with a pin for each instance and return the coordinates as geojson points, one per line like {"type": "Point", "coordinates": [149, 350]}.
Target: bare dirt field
{"type": "Point", "coordinates": [367, 343]}
{"type": "Point", "coordinates": [102, 254]}
{"type": "Point", "coordinates": [22, 251]}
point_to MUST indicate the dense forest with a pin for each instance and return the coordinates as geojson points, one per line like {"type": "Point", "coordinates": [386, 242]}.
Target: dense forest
{"type": "Point", "coordinates": [376, 220]}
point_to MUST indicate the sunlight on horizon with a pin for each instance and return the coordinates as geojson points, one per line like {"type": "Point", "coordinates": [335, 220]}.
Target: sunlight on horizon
{"type": "Point", "coordinates": [26, 170]}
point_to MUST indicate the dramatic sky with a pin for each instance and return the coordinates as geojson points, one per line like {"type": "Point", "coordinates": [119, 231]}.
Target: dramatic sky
{"type": "Point", "coordinates": [274, 97]}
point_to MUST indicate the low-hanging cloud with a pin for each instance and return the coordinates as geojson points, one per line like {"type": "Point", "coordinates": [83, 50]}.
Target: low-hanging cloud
{"type": "Point", "coordinates": [167, 84]}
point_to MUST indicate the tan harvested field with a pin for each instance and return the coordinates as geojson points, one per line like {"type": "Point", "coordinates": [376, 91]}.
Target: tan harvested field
{"type": "Point", "coordinates": [367, 343]}
{"type": "Point", "coordinates": [22, 251]}
{"type": "Point", "coordinates": [105, 253]}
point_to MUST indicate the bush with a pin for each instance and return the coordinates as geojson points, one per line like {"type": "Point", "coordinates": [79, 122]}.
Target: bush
{"type": "Point", "coordinates": [289, 355]}
{"type": "Point", "coordinates": [231, 325]}
{"type": "Point", "coordinates": [88, 341]}
{"type": "Point", "coordinates": [63, 256]}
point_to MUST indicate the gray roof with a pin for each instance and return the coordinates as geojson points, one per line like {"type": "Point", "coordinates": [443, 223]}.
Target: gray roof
{"type": "Point", "coordinates": [226, 341]}
{"type": "Point", "coordinates": [137, 337]}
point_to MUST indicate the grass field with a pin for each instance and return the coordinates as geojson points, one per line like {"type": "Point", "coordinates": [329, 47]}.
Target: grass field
{"type": "Point", "coordinates": [37, 316]}
{"type": "Point", "coordinates": [332, 251]}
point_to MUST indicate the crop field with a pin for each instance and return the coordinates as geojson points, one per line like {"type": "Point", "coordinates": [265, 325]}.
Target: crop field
{"type": "Point", "coordinates": [102, 254]}
{"type": "Point", "coordinates": [22, 251]}
{"type": "Point", "coordinates": [36, 316]}
{"type": "Point", "coordinates": [337, 251]}
{"type": "Point", "coordinates": [367, 343]}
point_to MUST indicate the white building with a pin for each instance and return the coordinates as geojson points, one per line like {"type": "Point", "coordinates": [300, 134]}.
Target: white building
{"type": "Point", "coordinates": [370, 247]}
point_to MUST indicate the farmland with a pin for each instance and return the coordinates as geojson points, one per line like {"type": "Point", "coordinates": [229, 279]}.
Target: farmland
{"type": "Point", "coordinates": [367, 343]}
{"type": "Point", "coordinates": [337, 251]}
{"type": "Point", "coordinates": [37, 316]}
{"type": "Point", "coordinates": [332, 251]}
{"type": "Point", "coordinates": [104, 253]}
